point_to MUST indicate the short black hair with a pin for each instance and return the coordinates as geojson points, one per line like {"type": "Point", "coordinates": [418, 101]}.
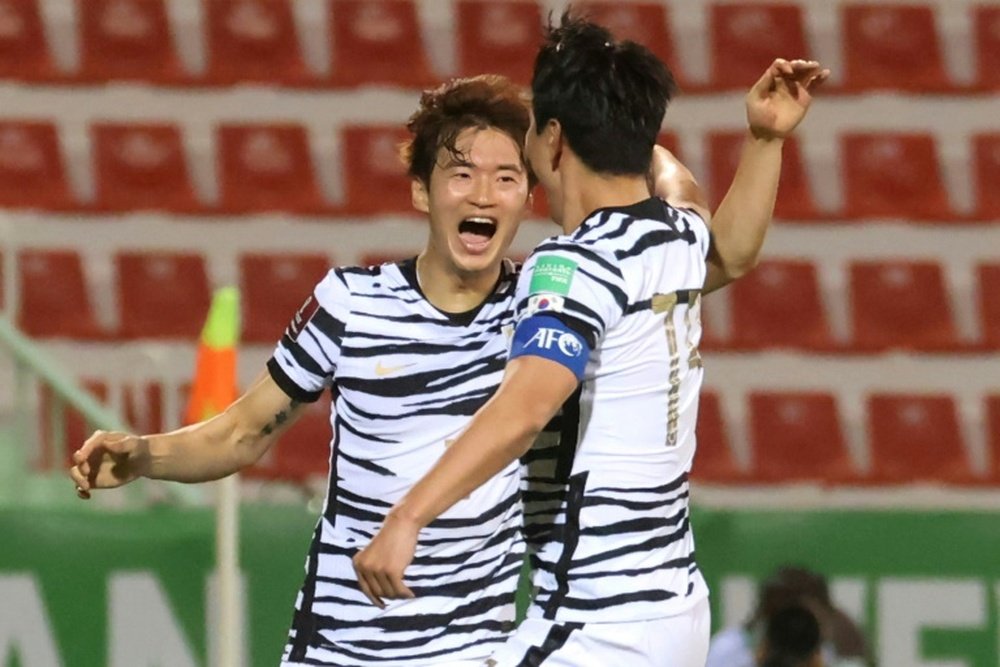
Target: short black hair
{"type": "Point", "coordinates": [608, 96]}
{"type": "Point", "coordinates": [484, 101]}
{"type": "Point", "coordinates": [791, 638]}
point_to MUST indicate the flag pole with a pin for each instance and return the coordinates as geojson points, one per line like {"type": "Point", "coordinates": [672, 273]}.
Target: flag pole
{"type": "Point", "coordinates": [213, 390]}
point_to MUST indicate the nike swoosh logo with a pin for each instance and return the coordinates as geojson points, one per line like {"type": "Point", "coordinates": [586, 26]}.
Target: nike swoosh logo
{"type": "Point", "coordinates": [382, 371]}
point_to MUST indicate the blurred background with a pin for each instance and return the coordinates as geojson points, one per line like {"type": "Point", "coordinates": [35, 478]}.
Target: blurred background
{"type": "Point", "coordinates": [154, 150]}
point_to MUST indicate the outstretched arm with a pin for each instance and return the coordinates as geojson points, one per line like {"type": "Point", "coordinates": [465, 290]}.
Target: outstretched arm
{"type": "Point", "coordinates": [201, 452]}
{"type": "Point", "coordinates": [775, 106]}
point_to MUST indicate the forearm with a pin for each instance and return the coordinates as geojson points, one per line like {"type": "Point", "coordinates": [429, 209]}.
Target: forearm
{"type": "Point", "coordinates": [202, 452]}
{"type": "Point", "coordinates": [497, 436]}
{"type": "Point", "coordinates": [740, 223]}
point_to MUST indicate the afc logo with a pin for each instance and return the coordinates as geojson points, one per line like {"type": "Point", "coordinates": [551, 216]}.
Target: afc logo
{"type": "Point", "coordinates": [546, 338]}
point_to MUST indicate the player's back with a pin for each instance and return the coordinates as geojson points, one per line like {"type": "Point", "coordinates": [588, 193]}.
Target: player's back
{"type": "Point", "coordinates": [621, 546]}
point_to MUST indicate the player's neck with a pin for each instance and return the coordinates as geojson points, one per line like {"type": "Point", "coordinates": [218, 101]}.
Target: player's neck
{"type": "Point", "coordinates": [451, 290]}
{"type": "Point", "coordinates": [585, 191]}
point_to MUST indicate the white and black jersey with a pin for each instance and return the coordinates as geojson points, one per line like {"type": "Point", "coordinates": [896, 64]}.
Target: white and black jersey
{"type": "Point", "coordinates": [617, 301]}
{"type": "Point", "coordinates": [407, 378]}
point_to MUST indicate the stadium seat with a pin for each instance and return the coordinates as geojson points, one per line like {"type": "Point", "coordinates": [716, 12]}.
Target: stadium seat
{"type": "Point", "coordinates": [901, 304]}
{"type": "Point", "coordinates": [892, 47]}
{"type": "Point", "coordinates": [378, 42]}
{"type": "Point", "coordinates": [273, 287]}
{"type": "Point", "coordinates": [375, 178]}
{"type": "Point", "coordinates": [53, 455]}
{"type": "Point", "coordinates": [161, 295]}
{"type": "Point", "coordinates": [993, 435]}
{"type": "Point", "coordinates": [498, 37]}
{"type": "Point", "coordinates": [892, 176]}
{"type": "Point", "coordinates": [797, 437]}
{"type": "Point", "coordinates": [795, 200]}
{"type": "Point", "coordinates": [986, 176]}
{"type": "Point", "coordinates": [127, 39]}
{"type": "Point", "coordinates": [303, 453]}
{"type": "Point", "coordinates": [54, 297]}
{"type": "Point", "coordinates": [916, 438]}
{"type": "Point", "coordinates": [714, 462]}
{"type": "Point", "coordinates": [989, 304]}
{"type": "Point", "coordinates": [779, 304]}
{"type": "Point", "coordinates": [141, 167]}
{"type": "Point", "coordinates": [32, 173]}
{"type": "Point", "coordinates": [747, 37]}
{"type": "Point", "coordinates": [986, 24]}
{"type": "Point", "coordinates": [266, 168]}
{"type": "Point", "coordinates": [256, 41]}
{"type": "Point", "coordinates": [24, 50]}
{"type": "Point", "coordinates": [647, 23]}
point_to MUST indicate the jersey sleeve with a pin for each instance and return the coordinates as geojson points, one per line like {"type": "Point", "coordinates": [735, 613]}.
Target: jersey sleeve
{"type": "Point", "coordinates": [569, 295]}
{"type": "Point", "coordinates": [306, 356]}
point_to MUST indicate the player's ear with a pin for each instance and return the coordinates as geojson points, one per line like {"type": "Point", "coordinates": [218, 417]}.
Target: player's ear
{"type": "Point", "coordinates": [419, 196]}
{"type": "Point", "coordinates": [554, 142]}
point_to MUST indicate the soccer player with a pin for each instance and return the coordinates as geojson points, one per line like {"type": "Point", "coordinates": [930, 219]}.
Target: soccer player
{"type": "Point", "coordinates": [412, 350]}
{"type": "Point", "coordinates": [607, 330]}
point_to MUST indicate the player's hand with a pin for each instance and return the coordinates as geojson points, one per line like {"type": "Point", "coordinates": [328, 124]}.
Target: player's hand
{"type": "Point", "coordinates": [108, 460]}
{"type": "Point", "coordinates": [778, 102]}
{"type": "Point", "coordinates": [380, 565]}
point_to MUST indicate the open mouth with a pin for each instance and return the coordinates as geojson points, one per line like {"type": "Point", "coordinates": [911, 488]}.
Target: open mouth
{"type": "Point", "coordinates": [476, 233]}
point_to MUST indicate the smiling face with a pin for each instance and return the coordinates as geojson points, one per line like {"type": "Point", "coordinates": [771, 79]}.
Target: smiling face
{"type": "Point", "coordinates": [476, 199]}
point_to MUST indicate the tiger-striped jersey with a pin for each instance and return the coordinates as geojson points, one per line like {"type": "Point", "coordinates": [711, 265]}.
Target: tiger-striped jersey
{"type": "Point", "coordinates": [406, 378]}
{"type": "Point", "coordinates": [607, 506]}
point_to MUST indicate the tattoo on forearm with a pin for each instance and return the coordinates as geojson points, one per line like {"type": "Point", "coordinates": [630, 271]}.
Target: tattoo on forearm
{"type": "Point", "coordinates": [280, 418]}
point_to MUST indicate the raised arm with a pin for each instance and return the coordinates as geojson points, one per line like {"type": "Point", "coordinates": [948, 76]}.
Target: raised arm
{"type": "Point", "coordinates": [775, 105]}
{"type": "Point", "coordinates": [201, 452]}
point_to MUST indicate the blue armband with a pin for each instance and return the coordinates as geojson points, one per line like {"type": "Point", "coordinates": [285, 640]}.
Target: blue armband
{"type": "Point", "coordinates": [551, 338]}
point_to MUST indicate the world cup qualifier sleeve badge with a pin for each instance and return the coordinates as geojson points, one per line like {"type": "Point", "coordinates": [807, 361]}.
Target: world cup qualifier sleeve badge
{"type": "Point", "coordinates": [552, 275]}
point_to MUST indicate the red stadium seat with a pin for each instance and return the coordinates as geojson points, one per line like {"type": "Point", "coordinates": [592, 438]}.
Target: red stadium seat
{"type": "Point", "coordinates": [986, 23]}
{"type": "Point", "coordinates": [375, 178]}
{"type": "Point", "coordinates": [986, 176]}
{"type": "Point", "coordinates": [795, 200]}
{"type": "Point", "coordinates": [989, 304]}
{"type": "Point", "coordinates": [779, 305]}
{"type": "Point", "coordinates": [55, 300]}
{"type": "Point", "coordinates": [916, 438]}
{"type": "Point", "coordinates": [993, 435]}
{"type": "Point", "coordinates": [57, 448]}
{"type": "Point", "coordinates": [24, 51]}
{"type": "Point", "coordinates": [266, 168]}
{"type": "Point", "coordinates": [499, 37]}
{"type": "Point", "coordinates": [127, 39]}
{"type": "Point", "coordinates": [747, 37]}
{"type": "Point", "coordinates": [892, 47]}
{"type": "Point", "coordinates": [32, 174]}
{"type": "Point", "coordinates": [714, 461]}
{"type": "Point", "coordinates": [892, 176]}
{"type": "Point", "coordinates": [254, 40]}
{"type": "Point", "coordinates": [901, 304]}
{"type": "Point", "coordinates": [273, 288]}
{"type": "Point", "coordinates": [378, 42]}
{"type": "Point", "coordinates": [141, 167]}
{"type": "Point", "coordinates": [161, 295]}
{"type": "Point", "coordinates": [647, 23]}
{"type": "Point", "coordinates": [798, 437]}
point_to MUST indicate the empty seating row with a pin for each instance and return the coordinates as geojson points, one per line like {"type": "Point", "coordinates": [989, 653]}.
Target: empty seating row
{"type": "Point", "coordinates": [792, 437]}
{"type": "Point", "coordinates": [801, 437]}
{"type": "Point", "coordinates": [892, 304]}
{"type": "Point", "coordinates": [271, 167]}
{"type": "Point", "coordinates": [382, 42]}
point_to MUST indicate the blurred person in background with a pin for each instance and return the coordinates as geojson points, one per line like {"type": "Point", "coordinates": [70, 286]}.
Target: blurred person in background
{"type": "Point", "coordinates": [791, 639]}
{"type": "Point", "coordinates": [607, 331]}
{"type": "Point", "coordinates": [412, 349]}
{"type": "Point", "coordinates": [843, 643]}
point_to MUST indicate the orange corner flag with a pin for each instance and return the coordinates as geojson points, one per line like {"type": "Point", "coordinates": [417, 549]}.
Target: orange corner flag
{"type": "Point", "coordinates": [214, 385]}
